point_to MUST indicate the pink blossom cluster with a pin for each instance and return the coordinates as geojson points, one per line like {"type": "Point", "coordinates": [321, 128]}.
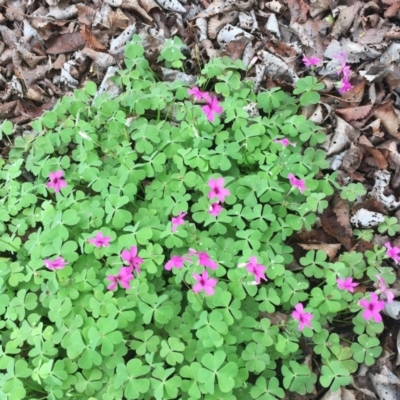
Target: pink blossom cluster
{"type": "Point", "coordinates": [212, 107]}
{"type": "Point", "coordinates": [345, 71]}
{"type": "Point", "coordinates": [256, 269]}
{"type": "Point", "coordinates": [375, 305]}
{"type": "Point", "coordinates": [203, 280]}
{"type": "Point", "coordinates": [312, 61]}
{"type": "Point", "coordinates": [125, 274]}
{"type": "Point", "coordinates": [217, 191]}
{"type": "Point", "coordinates": [392, 252]}
{"type": "Point", "coordinates": [297, 183]}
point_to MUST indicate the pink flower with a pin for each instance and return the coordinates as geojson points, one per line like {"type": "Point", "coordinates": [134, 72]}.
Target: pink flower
{"type": "Point", "coordinates": [346, 86]}
{"type": "Point", "coordinates": [304, 318]}
{"type": "Point", "coordinates": [217, 189]}
{"type": "Point", "coordinates": [383, 289]}
{"type": "Point", "coordinates": [58, 263]}
{"type": "Point", "coordinates": [204, 283]}
{"type": "Point", "coordinates": [372, 308]}
{"type": "Point", "coordinates": [299, 183]}
{"type": "Point", "coordinates": [205, 260]}
{"type": "Point", "coordinates": [343, 69]}
{"type": "Point", "coordinates": [312, 61]}
{"type": "Point", "coordinates": [198, 94]}
{"type": "Point", "coordinates": [346, 72]}
{"type": "Point", "coordinates": [214, 209]}
{"type": "Point", "coordinates": [123, 278]}
{"type": "Point", "coordinates": [212, 107]}
{"type": "Point", "coordinates": [392, 252]}
{"type": "Point", "coordinates": [176, 221]}
{"type": "Point", "coordinates": [346, 284]}
{"type": "Point", "coordinates": [100, 240]}
{"type": "Point", "coordinates": [175, 262]}
{"type": "Point", "coordinates": [55, 181]}
{"type": "Point", "coordinates": [258, 270]}
{"type": "Point", "coordinates": [130, 257]}
{"type": "Point", "coordinates": [284, 142]}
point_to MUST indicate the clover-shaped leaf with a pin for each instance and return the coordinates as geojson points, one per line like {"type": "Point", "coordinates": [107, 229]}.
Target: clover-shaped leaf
{"type": "Point", "coordinates": [171, 351]}
{"type": "Point", "coordinates": [131, 375]}
{"type": "Point", "coordinates": [267, 390]}
{"type": "Point", "coordinates": [298, 378]}
{"type": "Point", "coordinates": [334, 376]}
{"type": "Point", "coordinates": [366, 350]}
{"type": "Point", "coordinates": [212, 369]}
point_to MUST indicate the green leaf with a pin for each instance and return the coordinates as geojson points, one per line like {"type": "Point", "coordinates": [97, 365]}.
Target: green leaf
{"type": "Point", "coordinates": [266, 390]}
{"type": "Point", "coordinates": [131, 375]}
{"type": "Point", "coordinates": [298, 378]}
{"type": "Point", "coordinates": [334, 376]}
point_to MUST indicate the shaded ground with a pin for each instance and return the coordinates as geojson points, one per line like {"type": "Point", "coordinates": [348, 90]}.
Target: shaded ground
{"type": "Point", "coordinates": [49, 48]}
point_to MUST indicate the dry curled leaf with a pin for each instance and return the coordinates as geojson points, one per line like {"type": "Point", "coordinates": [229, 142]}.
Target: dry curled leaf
{"type": "Point", "coordinates": [343, 135]}
{"type": "Point", "coordinates": [63, 13]}
{"type": "Point", "coordinates": [382, 180]}
{"type": "Point", "coordinates": [172, 5]}
{"type": "Point", "coordinates": [376, 154]}
{"type": "Point", "coordinates": [65, 43]}
{"type": "Point", "coordinates": [230, 33]}
{"type": "Point", "coordinates": [298, 11]}
{"type": "Point", "coordinates": [345, 19]}
{"type": "Point", "coordinates": [342, 210]}
{"type": "Point", "coordinates": [235, 49]}
{"type": "Point", "coordinates": [392, 10]}
{"type": "Point", "coordinates": [135, 6]}
{"type": "Point", "coordinates": [216, 7]}
{"type": "Point", "coordinates": [216, 23]}
{"type": "Point", "coordinates": [276, 67]}
{"type": "Point", "coordinates": [120, 41]}
{"type": "Point", "coordinates": [329, 249]}
{"type": "Point", "coordinates": [202, 23]}
{"type": "Point", "coordinates": [85, 14]}
{"type": "Point", "coordinates": [101, 60]}
{"type": "Point", "coordinates": [385, 112]}
{"type": "Point", "coordinates": [245, 21]}
{"type": "Point", "coordinates": [274, 5]}
{"type": "Point", "coordinates": [354, 113]}
{"type": "Point", "coordinates": [90, 39]}
{"type": "Point", "coordinates": [331, 226]}
{"type": "Point", "coordinates": [352, 158]}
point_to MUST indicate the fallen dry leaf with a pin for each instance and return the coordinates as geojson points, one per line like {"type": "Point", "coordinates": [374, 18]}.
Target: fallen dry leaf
{"type": "Point", "coordinates": [378, 156]}
{"type": "Point", "coordinates": [329, 249]}
{"type": "Point", "coordinates": [66, 43]}
{"type": "Point", "coordinates": [389, 118]}
{"type": "Point", "coordinates": [352, 158]}
{"type": "Point", "coordinates": [342, 210]}
{"type": "Point", "coordinates": [216, 23]}
{"type": "Point", "coordinates": [298, 11]}
{"type": "Point", "coordinates": [343, 135]}
{"type": "Point", "coordinates": [331, 225]}
{"type": "Point", "coordinates": [345, 19]}
{"type": "Point", "coordinates": [354, 113]}
{"type": "Point", "coordinates": [90, 39]}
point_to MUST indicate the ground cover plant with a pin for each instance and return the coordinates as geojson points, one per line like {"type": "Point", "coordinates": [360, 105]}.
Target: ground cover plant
{"type": "Point", "coordinates": [143, 247]}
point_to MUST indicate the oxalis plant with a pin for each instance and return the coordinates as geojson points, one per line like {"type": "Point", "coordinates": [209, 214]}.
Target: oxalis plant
{"type": "Point", "coordinates": [143, 246]}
